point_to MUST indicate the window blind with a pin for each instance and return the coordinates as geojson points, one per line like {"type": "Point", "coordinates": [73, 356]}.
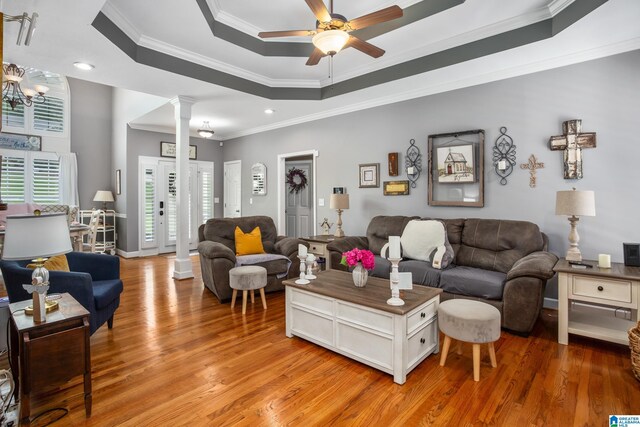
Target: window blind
{"type": "Point", "coordinates": [12, 188]}
{"type": "Point", "coordinates": [12, 118]}
{"type": "Point", "coordinates": [49, 116]}
{"type": "Point", "coordinates": [46, 181]}
{"type": "Point", "coordinates": [206, 196]}
{"type": "Point", "coordinates": [149, 205]}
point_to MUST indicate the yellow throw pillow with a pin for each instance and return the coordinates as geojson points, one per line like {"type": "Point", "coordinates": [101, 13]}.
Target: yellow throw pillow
{"type": "Point", "coordinates": [248, 243]}
{"type": "Point", "coordinates": [55, 263]}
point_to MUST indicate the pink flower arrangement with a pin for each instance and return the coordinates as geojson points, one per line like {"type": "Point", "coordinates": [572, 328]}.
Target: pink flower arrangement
{"type": "Point", "coordinates": [352, 257]}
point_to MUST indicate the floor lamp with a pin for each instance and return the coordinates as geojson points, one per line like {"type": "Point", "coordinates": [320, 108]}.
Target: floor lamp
{"type": "Point", "coordinates": [339, 202]}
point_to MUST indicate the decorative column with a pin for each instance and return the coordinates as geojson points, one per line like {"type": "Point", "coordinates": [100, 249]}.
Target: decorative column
{"type": "Point", "coordinates": [182, 108]}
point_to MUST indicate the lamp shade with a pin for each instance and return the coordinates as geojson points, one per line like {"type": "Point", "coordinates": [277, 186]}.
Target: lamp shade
{"type": "Point", "coordinates": [339, 201]}
{"type": "Point", "coordinates": [103, 196]}
{"type": "Point", "coordinates": [330, 42]}
{"type": "Point", "coordinates": [573, 202]}
{"type": "Point", "coordinates": [31, 236]}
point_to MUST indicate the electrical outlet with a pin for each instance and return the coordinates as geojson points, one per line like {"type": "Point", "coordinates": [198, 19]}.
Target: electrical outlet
{"type": "Point", "coordinates": [216, 200]}
{"type": "Point", "coordinates": [321, 202]}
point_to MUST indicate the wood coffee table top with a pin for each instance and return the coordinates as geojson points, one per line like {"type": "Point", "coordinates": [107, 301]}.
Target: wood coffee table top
{"type": "Point", "coordinates": [339, 285]}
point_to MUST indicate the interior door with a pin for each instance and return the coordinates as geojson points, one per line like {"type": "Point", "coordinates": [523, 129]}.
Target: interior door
{"type": "Point", "coordinates": [232, 189]}
{"type": "Point", "coordinates": [299, 206]}
{"type": "Point", "coordinates": [167, 207]}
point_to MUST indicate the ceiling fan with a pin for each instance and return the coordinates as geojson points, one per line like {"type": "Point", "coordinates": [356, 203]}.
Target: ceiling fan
{"type": "Point", "coordinates": [332, 31]}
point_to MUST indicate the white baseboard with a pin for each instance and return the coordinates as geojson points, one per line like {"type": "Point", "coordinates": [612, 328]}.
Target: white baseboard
{"type": "Point", "coordinates": [550, 303]}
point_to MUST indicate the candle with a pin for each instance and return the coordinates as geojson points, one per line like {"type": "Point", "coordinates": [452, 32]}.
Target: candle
{"type": "Point", "coordinates": [302, 250]}
{"type": "Point", "coordinates": [394, 247]}
{"type": "Point", "coordinates": [604, 261]}
{"type": "Point", "coordinates": [502, 165]}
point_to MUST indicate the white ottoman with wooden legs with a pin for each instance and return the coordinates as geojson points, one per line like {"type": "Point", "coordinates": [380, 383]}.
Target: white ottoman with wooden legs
{"type": "Point", "coordinates": [469, 321]}
{"type": "Point", "coordinates": [247, 278]}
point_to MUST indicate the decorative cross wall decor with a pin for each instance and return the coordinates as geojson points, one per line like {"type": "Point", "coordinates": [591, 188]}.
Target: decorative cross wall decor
{"type": "Point", "coordinates": [572, 142]}
{"type": "Point", "coordinates": [532, 166]}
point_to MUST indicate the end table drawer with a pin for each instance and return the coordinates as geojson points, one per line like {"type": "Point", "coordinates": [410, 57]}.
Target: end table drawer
{"type": "Point", "coordinates": [606, 289]}
{"type": "Point", "coordinates": [319, 249]}
{"type": "Point", "coordinates": [421, 316]}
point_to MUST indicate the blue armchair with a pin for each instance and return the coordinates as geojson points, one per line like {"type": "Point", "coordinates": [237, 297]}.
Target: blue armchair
{"type": "Point", "coordinates": [94, 281]}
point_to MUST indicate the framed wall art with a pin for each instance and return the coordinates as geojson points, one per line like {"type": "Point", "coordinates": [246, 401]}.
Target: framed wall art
{"type": "Point", "coordinates": [168, 149]}
{"type": "Point", "coordinates": [395, 188]}
{"type": "Point", "coordinates": [393, 164]}
{"type": "Point", "coordinates": [456, 172]}
{"type": "Point", "coordinates": [369, 175]}
{"type": "Point", "coordinates": [18, 141]}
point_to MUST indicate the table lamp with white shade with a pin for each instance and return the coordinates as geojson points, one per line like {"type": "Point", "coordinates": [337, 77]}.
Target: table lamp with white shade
{"type": "Point", "coordinates": [339, 202]}
{"type": "Point", "coordinates": [574, 204]}
{"type": "Point", "coordinates": [36, 237]}
{"type": "Point", "coordinates": [103, 196]}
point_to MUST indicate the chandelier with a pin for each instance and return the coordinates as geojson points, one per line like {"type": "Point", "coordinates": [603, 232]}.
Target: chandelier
{"type": "Point", "coordinates": [16, 95]}
{"type": "Point", "coordinates": [205, 131]}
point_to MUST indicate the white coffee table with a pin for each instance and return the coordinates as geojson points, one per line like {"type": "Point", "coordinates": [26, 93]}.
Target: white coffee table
{"type": "Point", "coordinates": [358, 323]}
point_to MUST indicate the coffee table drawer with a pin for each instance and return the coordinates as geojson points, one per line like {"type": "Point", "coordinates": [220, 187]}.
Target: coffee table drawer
{"type": "Point", "coordinates": [421, 316]}
{"type": "Point", "coordinates": [311, 301]}
{"type": "Point", "coordinates": [365, 317]}
{"type": "Point", "coordinates": [606, 289]}
{"type": "Point", "coordinates": [422, 342]}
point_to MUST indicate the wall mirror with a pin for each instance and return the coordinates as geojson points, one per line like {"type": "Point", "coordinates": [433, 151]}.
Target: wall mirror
{"type": "Point", "coordinates": [259, 179]}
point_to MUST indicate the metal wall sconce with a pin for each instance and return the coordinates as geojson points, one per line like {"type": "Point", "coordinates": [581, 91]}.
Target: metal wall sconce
{"type": "Point", "coordinates": [413, 163]}
{"type": "Point", "coordinates": [504, 155]}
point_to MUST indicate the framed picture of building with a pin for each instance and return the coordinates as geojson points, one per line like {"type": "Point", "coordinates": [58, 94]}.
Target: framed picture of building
{"type": "Point", "coordinates": [456, 169]}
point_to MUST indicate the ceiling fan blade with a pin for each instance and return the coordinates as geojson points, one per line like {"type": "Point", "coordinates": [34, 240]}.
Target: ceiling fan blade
{"type": "Point", "coordinates": [364, 47]}
{"type": "Point", "coordinates": [291, 33]}
{"type": "Point", "coordinates": [319, 9]}
{"type": "Point", "coordinates": [383, 15]}
{"type": "Point", "coordinates": [315, 57]}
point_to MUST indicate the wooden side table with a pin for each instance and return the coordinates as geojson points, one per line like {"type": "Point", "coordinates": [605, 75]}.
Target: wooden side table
{"type": "Point", "coordinates": [51, 353]}
{"type": "Point", "coordinates": [318, 246]}
{"type": "Point", "coordinates": [614, 288]}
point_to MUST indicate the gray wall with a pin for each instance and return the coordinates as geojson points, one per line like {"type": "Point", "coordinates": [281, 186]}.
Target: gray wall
{"type": "Point", "coordinates": [91, 137]}
{"type": "Point", "coordinates": [603, 93]}
{"type": "Point", "coordinates": [145, 143]}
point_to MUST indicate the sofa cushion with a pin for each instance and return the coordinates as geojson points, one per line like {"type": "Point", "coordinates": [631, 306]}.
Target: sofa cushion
{"type": "Point", "coordinates": [381, 227]}
{"type": "Point", "coordinates": [248, 243]}
{"type": "Point", "coordinates": [496, 245]}
{"type": "Point", "coordinates": [382, 267]}
{"type": "Point", "coordinates": [105, 291]}
{"type": "Point", "coordinates": [473, 282]}
{"type": "Point", "coordinates": [277, 266]}
{"type": "Point", "coordinates": [422, 273]}
{"type": "Point", "coordinates": [426, 240]}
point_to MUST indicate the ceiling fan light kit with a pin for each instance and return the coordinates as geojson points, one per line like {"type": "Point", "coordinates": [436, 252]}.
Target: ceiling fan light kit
{"type": "Point", "coordinates": [332, 31]}
{"type": "Point", "coordinates": [330, 42]}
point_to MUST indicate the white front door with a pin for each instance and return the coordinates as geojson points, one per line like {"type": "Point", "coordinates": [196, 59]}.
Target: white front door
{"type": "Point", "coordinates": [168, 210]}
{"type": "Point", "coordinates": [232, 189]}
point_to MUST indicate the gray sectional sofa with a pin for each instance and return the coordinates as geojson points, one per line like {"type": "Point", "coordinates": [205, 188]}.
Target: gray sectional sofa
{"type": "Point", "coordinates": [501, 262]}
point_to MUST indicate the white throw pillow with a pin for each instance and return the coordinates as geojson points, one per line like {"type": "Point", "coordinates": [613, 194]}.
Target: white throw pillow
{"type": "Point", "coordinates": [421, 239]}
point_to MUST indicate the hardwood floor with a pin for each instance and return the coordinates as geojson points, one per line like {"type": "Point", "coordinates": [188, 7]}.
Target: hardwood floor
{"type": "Point", "coordinates": [176, 356]}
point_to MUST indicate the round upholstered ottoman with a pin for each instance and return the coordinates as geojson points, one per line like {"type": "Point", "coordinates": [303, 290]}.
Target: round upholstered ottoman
{"type": "Point", "coordinates": [469, 321]}
{"type": "Point", "coordinates": [247, 278]}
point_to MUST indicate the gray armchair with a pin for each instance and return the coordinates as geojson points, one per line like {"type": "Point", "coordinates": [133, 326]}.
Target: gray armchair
{"type": "Point", "coordinates": [218, 254]}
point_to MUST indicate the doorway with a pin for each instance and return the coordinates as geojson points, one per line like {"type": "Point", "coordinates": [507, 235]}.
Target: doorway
{"type": "Point", "coordinates": [233, 189]}
{"type": "Point", "coordinates": [298, 209]}
{"type": "Point", "coordinates": [306, 200]}
{"type": "Point", "coordinates": [158, 208]}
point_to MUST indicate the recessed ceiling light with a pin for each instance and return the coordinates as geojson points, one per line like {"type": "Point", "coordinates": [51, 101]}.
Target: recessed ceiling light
{"type": "Point", "coordinates": [269, 111]}
{"type": "Point", "coordinates": [83, 66]}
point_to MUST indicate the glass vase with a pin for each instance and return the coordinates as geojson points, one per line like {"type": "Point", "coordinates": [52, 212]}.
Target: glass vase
{"type": "Point", "coordinates": [360, 275]}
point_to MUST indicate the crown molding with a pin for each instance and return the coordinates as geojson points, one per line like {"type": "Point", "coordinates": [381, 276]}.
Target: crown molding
{"type": "Point", "coordinates": [208, 62]}
{"type": "Point", "coordinates": [121, 21]}
{"type": "Point", "coordinates": [169, 130]}
{"type": "Point", "coordinates": [557, 6]}
{"type": "Point", "coordinates": [547, 64]}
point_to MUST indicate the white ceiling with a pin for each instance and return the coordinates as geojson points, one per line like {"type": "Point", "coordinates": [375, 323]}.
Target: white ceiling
{"type": "Point", "coordinates": [65, 34]}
